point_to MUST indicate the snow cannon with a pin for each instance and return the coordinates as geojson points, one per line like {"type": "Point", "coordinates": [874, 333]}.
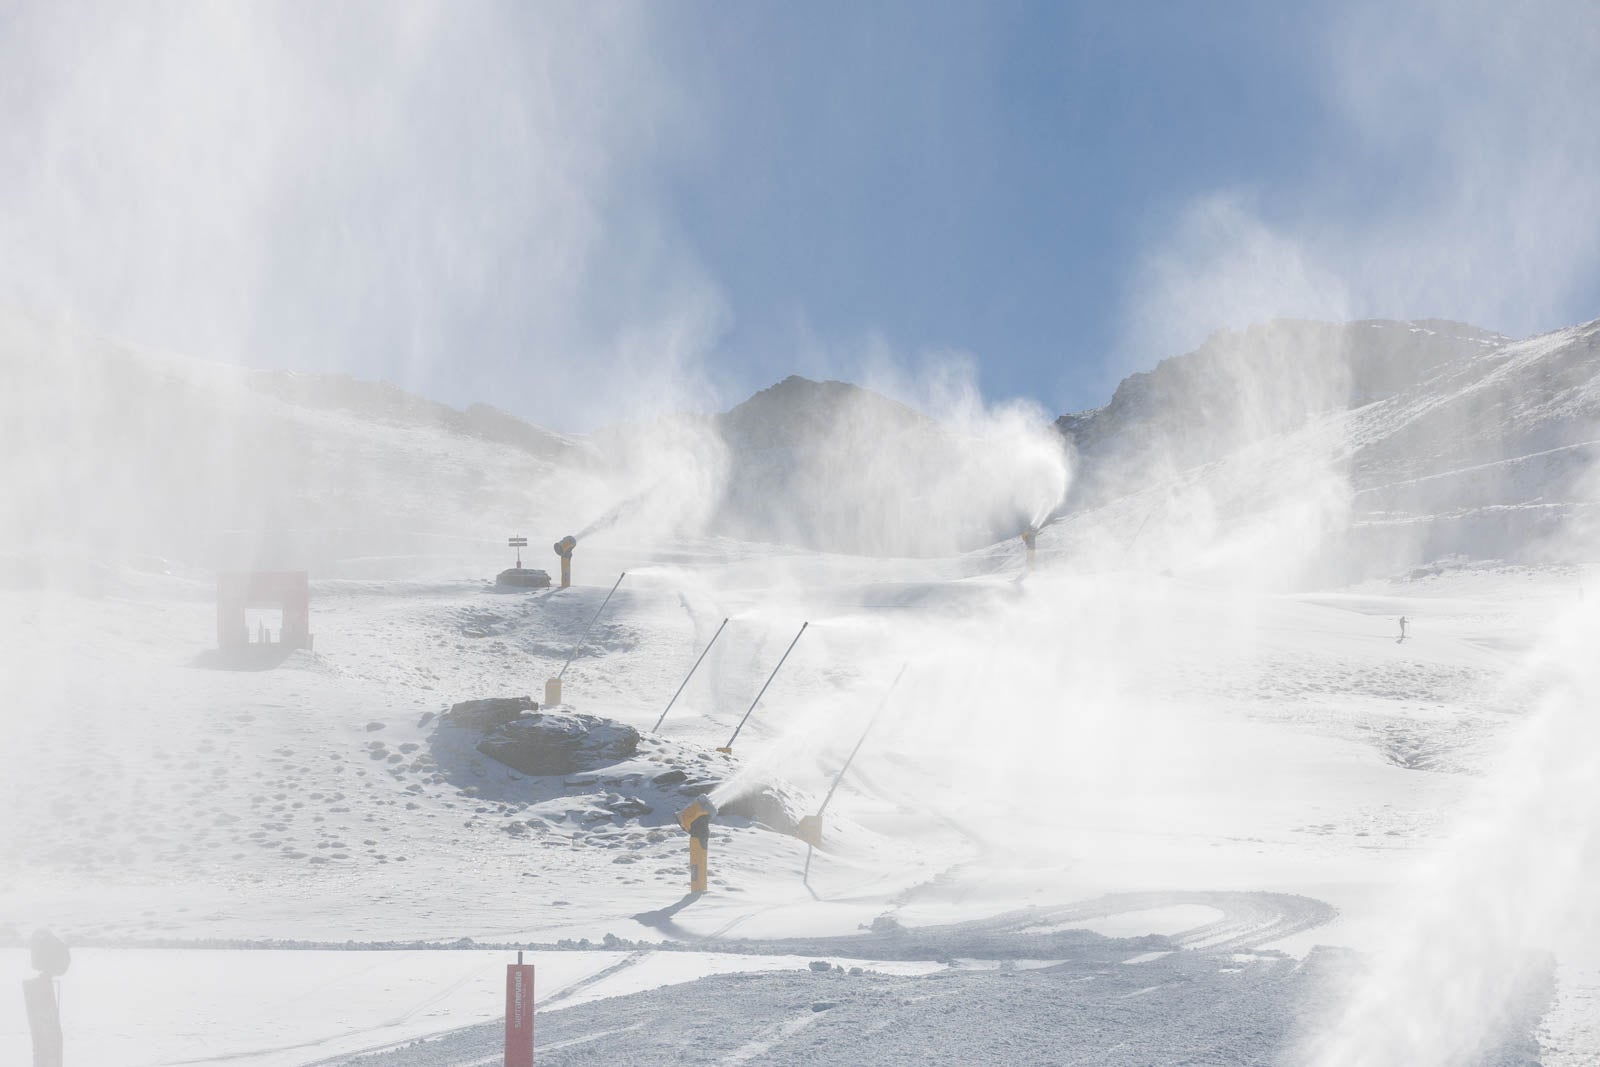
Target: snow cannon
{"type": "Point", "coordinates": [696, 822]}
{"type": "Point", "coordinates": [564, 549]}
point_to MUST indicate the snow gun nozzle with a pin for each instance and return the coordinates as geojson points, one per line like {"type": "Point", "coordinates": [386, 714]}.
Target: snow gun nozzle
{"type": "Point", "coordinates": [701, 808]}
{"type": "Point", "coordinates": [696, 822]}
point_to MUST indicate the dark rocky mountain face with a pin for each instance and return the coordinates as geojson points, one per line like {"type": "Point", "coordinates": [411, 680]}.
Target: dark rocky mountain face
{"type": "Point", "coordinates": [833, 466]}
{"type": "Point", "coordinates": [1439, 439]}
{"type": "Point", "coordinates": [1243, 387]}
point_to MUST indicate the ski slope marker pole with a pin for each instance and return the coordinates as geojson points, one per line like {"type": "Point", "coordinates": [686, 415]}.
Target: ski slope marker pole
{"type": "Point", "coordinates": [686, 678]}
{"type": "Point", "coordinates": [728, 748]}
{"type": "Point", "coordinates": [519, 1014]}
{"type": "Point", "coordinates": [586, 629]}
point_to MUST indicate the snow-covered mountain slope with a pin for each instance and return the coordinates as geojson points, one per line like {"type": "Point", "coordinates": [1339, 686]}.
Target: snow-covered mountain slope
{"type": "Point", "coordinates": [112, 453]}
{"type": "Point", "coordinates": [1090, 730]}
{"type": "Point", "coordinates": [1375, 447]}
{"type": "Point", "coordinates": [836, 467]}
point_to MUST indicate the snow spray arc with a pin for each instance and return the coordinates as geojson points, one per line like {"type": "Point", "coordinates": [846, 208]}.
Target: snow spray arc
{"type": "Point", "coordinates": [810, 828]}
{"type": "Point", "coordinates": [519, 1014]}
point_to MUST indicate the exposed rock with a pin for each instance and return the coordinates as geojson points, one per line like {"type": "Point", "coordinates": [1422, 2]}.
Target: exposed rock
{"type": "Point", "coordinates": [524, 578]}
{"type": "Point", "coordinates": [489, 713]}
{"type": "Point", "coordinates": [627, 807]}
{"type": "Point", "coordinates": [559, 743]}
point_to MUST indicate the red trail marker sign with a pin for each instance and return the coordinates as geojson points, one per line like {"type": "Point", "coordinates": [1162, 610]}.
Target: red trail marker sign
{"type": "Point", "coordinates": [519, 1014]}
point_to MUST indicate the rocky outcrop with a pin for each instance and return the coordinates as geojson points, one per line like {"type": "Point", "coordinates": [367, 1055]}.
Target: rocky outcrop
{"type": "Point", "coordinates": [489, 713]}
{"type": "Point", "coordinates": [560, 743]}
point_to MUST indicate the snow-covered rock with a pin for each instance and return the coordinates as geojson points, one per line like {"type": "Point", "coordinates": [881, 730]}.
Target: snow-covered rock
{"type": "Point", "coordinates": [555, 742]}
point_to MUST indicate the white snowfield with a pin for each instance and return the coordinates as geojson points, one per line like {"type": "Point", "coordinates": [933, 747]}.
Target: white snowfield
{"type": "Point", "coordinates": [1140, 804]}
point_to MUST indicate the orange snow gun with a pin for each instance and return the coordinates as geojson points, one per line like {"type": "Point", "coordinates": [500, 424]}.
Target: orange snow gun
{"type": "Point", "coordinates": [696, 822]}
{"type": "Point", "coordinates": [564, 549]}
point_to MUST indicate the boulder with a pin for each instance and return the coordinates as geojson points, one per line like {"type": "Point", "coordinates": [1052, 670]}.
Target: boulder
{"type": "Point", "coordinates": [524, 578]}
{"type": "Point", "coordinates": [560, 743]}
{"type": "Point", "coordinates": [489, 713]}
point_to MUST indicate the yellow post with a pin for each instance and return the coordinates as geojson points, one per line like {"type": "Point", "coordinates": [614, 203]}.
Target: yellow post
{"type": "Point", "coordinates": [564, 549]}
{"type": "Point", "coordinates": [696, 822]}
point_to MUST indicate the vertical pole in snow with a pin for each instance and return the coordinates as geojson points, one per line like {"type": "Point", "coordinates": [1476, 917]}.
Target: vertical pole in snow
{"type": "Point", "coordinates": [586, 629]}
{"type": "Point", "coordinates": [729, 746]}
{"type": "Point", "coordinates": [686, 677]}
{"type": "Point", "coordinates": [519, 1014]}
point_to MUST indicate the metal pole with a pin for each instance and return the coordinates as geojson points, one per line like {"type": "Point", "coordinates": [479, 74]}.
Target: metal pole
{"type": "Point", "coordinates": [805, 875]}
{"type": "Point", "coordinates": [586, 629]}
{"type": "Point", "coordinates": [729, 746]}
{"type": "Point", "coordinates": [870, 722]}
{"type": "Point", "coordinates": [686, 678]}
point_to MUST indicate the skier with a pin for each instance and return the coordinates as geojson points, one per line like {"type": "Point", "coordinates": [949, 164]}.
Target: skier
{"type": "Point", "coordinates": [1402, 629]}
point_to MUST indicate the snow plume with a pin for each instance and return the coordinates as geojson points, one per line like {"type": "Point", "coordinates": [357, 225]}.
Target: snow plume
{"type": "Point", "coordinates": [1484, 113]}
{"type": "Point", "coordinates": [462, 199]}
{"type": "Point", "coordinates": [1465, 942]}
{"type": "Point", "coordinates": [1462, 129]}
{"type": "Point", "coordinates": [1228, 461]}
{"type": "Point", "coordinates": [934, 471]}
{"type": "Point", "coordinates": [1473, 120]}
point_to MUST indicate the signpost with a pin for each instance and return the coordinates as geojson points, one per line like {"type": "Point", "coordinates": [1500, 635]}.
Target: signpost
{"type": "Point", "coordinates": [519, 1014]}
{"type": "Point", "coordinates": [518, 543]}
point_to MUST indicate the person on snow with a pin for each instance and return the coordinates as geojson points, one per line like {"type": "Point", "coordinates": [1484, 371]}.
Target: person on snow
{"type": "Point", "coordinates": [1402, 628]}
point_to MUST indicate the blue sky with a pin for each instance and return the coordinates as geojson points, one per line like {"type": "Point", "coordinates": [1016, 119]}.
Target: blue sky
{"type": "Point", "coordinates": [589, 212]}
{"type": "Point", "coordinates": [977, 177]}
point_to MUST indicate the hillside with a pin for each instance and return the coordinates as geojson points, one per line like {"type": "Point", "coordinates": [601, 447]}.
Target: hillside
{"type": "Point", "coordinates": [1354, 450]}
{"type": "Point", "coordinates": [1411, 441]}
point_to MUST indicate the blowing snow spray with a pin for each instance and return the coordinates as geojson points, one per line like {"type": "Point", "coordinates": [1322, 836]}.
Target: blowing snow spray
{"type": "Point", "coordinates": [810, 828]}
{"type": "Point", "coordinates": [696, 822]}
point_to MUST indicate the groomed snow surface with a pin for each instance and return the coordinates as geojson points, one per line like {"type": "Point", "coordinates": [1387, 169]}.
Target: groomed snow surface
{"type": "Point", "coordinates": [1107, 818]}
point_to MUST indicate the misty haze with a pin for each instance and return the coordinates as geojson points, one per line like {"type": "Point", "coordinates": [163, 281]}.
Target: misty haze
{"type": "Point", "coordinates": [931, 533]}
